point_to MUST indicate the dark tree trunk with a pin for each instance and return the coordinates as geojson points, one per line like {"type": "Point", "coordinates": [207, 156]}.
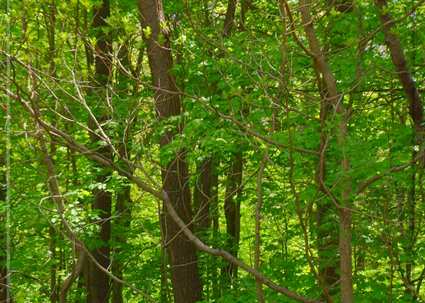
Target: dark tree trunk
{"type": "Point", "coordinates": [400, 63]}
{"type": "Point", "coordinates": [232, 209]}
{"type": "Point", "coordinates": [416, 112]}
{"type": "Point", "coordinates": [232, 213]}
{"type": "Point", "coordinates": [229, 20]}
{"type": "Point", "coordinates": [123, 197]}
{"type": "Point", "coordinates": [203, 194]}
{"type": "Point", "coordinates": [246, 5]}
{"type": "Point", "coordinates": [326, 223]}
{"type": "Point", "coordinates": [342, 5]}
{"type": "Point", "coordinates": [205, 203]}
{"type": "Point", "coordinates": [184, 264]}
{"type": "Point", "coordinates": [122, 223]}
{"type": "Point", "coordinates": [97, 281]}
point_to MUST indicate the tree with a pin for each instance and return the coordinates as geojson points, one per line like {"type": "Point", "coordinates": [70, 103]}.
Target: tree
{"type": "Point", "coordinates": [212, 151]}
{"type": "Point", "coordinates": [185, 276]}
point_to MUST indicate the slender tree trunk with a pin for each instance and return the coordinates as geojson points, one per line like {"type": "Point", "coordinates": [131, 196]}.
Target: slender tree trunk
{"type": "Point", "coordinates": [121, 224]}
{"type": "Point", "coordinates": [187, 286]}
{"type": "Point", "coordinates": [50, 20]}
{"type": "Point", "coordinates": [205, 197]}
{"type": "Point", "coordinates": [334, 99]}
{"type": "Point", "coordinates": [97, 281]}
{"type": "Point", "coordinates": [416, 112]}
{"type": "Point", "coordinates": [400, 63]}
{"type": "Point", "coordinates": [229, 21]}
{"type": "Point", "coordinates": [123, 197]}
{"type": "Point", "coordinates": [327, 229]}
{"type": "Point", "coordinates": [215, 217]}
{"type": "Point", "coordinates": [202, 195]}
{"type": "Point", "coordinates": [246, 5]}
{"type": "Point", "coordinates": [233, 183]}
{"type": "Point", "coordinates": [258, 218]}
{"type": "Point", "coordinates": [232, 213]}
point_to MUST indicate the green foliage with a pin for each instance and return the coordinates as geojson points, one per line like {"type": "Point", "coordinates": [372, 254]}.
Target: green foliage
{"type": "Point", "coordinates": [255, 90]}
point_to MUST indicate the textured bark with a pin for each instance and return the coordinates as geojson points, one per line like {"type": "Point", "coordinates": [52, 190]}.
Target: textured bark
{"type": "Point", "coordinates": [97, 282]}
{"type": "Point", "coordinates": [184, 264]}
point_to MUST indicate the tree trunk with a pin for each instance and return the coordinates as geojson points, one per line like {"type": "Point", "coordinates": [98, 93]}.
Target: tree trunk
{"type": "Point", "coordinates": [334, 99]}
{"type": "Point", "coordinates": [122, 223]}
{"type": "Point", "coordinates": [184, 264]}
{"type": "Point", "coordinates": [232, 213]}
{"type": "Point", "coordinates": [203, 194]}
{"type": "Point", "coordinates": [50, 19]}
{"type": "Point", "coordinates": [233, 184]}
{"type": "Point", "coordinates": [400, 63]}
{"type": "Point", "coordinates": [416, 112]}
{"type": "Point", "coordinates": [230, 17]}
{"type": "Point", "coordinates": [206, 216]}
{"type": "Point", "coordinates": [246, 5]}
{"type": "Point", "coordinates": [97, 281]}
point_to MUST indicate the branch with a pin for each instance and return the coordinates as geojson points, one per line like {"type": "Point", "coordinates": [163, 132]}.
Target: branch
{"type": "Point", "coordinates": [162, 195]}
{"type": "Point", "coordinates": [365, 184]}
{"type": "Point", "coordinates": [228, 257]}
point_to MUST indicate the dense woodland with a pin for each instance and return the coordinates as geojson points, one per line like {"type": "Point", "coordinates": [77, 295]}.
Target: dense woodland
{"type": "Point", "coordinates": [212, 151]}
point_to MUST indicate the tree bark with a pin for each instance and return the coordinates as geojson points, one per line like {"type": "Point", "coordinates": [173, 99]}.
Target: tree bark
{"type": "Point", "coordinates": [334, 99]}
{"type": "Point", "coordinates": [186, 281]}
{"type": "Point", "coordinates": [416, 112]}
{"type": "Point", "coordinates": [122, 223]}
{"type": "Point", "coordinates": [203, 194]}
{"type": "Point", "coordinates": [400, 63]}
{"type": "Point", "coordinates": [229, 20]}
{"type": "Point", "coordinates": [233, 183]}
{"type": "Point", "coordinates": [97, 282]}
{"type": "Point", "coordinates": [205, 218]}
